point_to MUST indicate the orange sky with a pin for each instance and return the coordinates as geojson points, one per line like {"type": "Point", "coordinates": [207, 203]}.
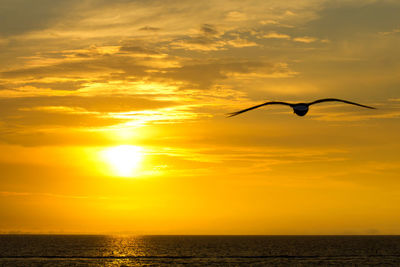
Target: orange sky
{"type": "Point", "coordinates": [113, 117]}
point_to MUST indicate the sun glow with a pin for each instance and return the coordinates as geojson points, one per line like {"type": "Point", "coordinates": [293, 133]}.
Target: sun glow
{"type": "Point", "coordinates": [124, 160]}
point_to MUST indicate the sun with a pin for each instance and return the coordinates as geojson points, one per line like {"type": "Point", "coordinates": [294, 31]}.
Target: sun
{"type": "Point", "coordinates": [124, 160]}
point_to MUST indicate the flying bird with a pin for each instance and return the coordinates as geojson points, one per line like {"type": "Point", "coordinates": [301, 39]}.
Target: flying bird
{"type": "Point", "coordinates": [300, 109]}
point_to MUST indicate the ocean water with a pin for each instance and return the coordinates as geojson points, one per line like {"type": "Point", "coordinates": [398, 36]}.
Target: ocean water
{"type": "Point", "coordinates": [90, 250]}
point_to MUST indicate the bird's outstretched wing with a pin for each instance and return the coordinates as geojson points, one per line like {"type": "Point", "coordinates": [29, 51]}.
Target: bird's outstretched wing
{"type": "Point", "coordinates": [339, 100]}
{"type": "Point", "coordinates": [264, 104]}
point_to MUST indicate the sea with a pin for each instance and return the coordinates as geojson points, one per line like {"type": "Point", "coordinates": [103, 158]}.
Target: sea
{"type": "Point", "coordinates": [122, 250]}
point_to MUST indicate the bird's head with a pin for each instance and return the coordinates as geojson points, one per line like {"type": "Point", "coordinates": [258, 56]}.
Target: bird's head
{"type": "Point", "coordinates": [300, 109]}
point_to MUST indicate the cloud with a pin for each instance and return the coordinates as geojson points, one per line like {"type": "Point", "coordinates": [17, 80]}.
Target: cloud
{"type": "Point", "coordinates": [210, 159]}
{"type": "Point", "coordinates": [141, 51]}
{"type": "Point", "coordinates": [269, 22]}
{"type": "Point", "coordinates": [346, 116]}
{"type": "Point", "coordinates": [394, 31]}
{"type": "Point", "coordinates": [205, 74]}
{"type": "Point", "coordinates": [274, 35]}
{"type": "Point", "coordinates": [142, 54]}
{"type": "Point", "coordinates": [305, 39]}
{"type": "Point", "coordinates": [18, 17]}
{"type": "Point", "coordinates": [239, 43]}
{"type": "Point", "coordinates": [148, 28]}
{"type": "Point", "coordinates": [357, 18]}
{"type": "Point", "coordinates": [208, 39]}
{"type": "Point", "coordinates": [62, 85]}
{"type": "Point", "coordinates": [110, 103]}
{"type": "Point", "coordinates": [88, 69]}
{"type": "Point", "coordinates": [71, 69]}
{"type": "Point", "coordinates": [133, 69]}
{"type": "Point", "coordinates": [209, 30]}
{"type": "Point", "coordinates": [73, 111]}
{"type": "Point", "coordinates": [200, 44]}
{"type": "Point", "coordinates": [391, 111]}
{"type": "Point", "coordinates": [104, 20]}
{"type": "Point", "coordinates": [59, 109]}
{"type": "Point", "coordinates": [235, 16]}
{"type": "Point", "coordinates": [283, 36]}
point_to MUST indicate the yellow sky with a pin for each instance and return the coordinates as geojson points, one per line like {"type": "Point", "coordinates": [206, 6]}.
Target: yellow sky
{"type": "Point", "coordinates": [113, 117]}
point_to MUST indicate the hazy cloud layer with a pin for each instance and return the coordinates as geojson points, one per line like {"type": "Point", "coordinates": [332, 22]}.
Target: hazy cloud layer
{"type": "Point", "coordinates": [83, 62]}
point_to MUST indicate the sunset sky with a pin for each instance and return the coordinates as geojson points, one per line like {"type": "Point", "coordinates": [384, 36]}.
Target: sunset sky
{"type": "Point", "coordinates": [113, 117]}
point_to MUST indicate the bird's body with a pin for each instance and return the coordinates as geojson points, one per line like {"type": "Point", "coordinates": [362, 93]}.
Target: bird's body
{"type": "Point", "coordinates": [300, 109]}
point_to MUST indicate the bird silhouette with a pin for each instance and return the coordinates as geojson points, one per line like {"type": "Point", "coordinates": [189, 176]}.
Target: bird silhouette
{"type": "Point", "coordinates": [300, 109]}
